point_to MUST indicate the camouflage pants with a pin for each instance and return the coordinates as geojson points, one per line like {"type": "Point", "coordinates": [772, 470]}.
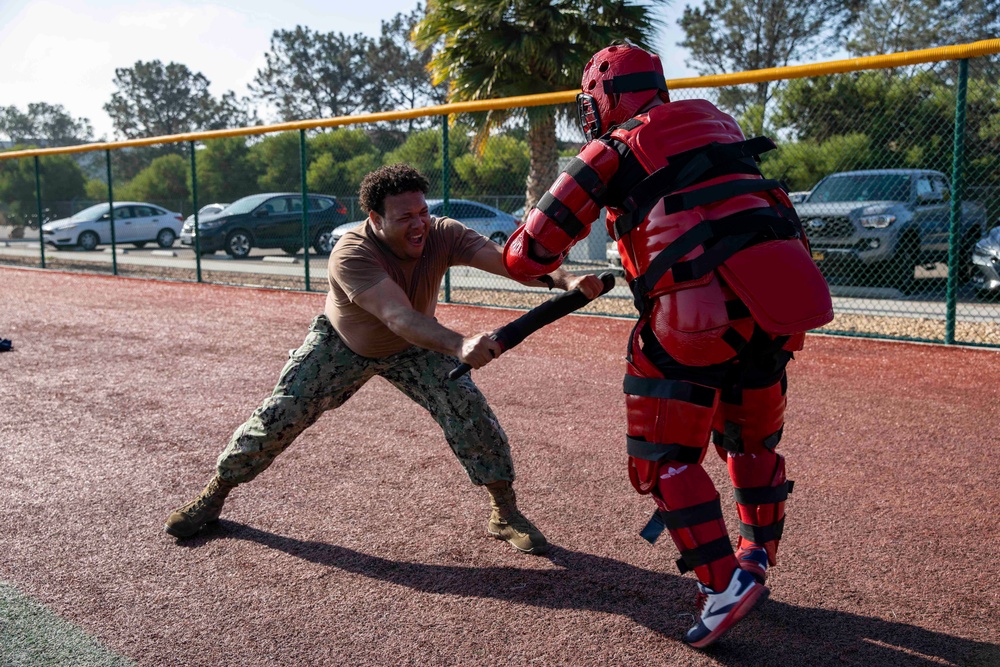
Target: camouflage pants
{"type": "Point", "coordinates": [323, 373]}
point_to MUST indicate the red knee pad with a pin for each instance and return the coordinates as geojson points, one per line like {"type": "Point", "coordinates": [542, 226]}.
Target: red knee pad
{"type": "Point", "coordinates": [754, 424]}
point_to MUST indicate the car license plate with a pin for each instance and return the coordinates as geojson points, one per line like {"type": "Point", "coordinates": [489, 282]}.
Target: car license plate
{"type": "Point", "coordinates": [818, 256]}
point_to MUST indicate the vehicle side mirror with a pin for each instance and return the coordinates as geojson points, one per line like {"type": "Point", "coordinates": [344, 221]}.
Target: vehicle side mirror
{"type": "Point", "coordinates": [930, 198]}
{"type": "Point", "coordinates": [106, 216]}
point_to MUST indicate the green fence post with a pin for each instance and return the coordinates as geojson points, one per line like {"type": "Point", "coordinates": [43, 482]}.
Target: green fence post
{"type": "Point", "coordinates": [111, 214]}
{"type": "Point", "coordinates": [38, 204]}
{"type": "Point", "coordinates": [957, 192]}
{"type": "Point", "coordinates": [445, 192]}
{"type": "Point", "coordinates": [305, 202]}
{"type": "Point", "coordinates": [194, 202]}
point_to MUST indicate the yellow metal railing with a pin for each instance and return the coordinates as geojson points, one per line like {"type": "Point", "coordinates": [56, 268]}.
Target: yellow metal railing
{"type": "Point", "coordinates": [957, 52]}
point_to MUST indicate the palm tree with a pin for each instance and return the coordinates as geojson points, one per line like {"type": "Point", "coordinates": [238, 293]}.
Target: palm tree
{"type": "Point", "coordinates": [486, 49]}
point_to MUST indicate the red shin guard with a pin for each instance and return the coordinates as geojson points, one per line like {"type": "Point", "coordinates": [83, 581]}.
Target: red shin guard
{"type": "Point", "coordinates": [761, 489]}
{"type": "Point", "coordinates": [704, 546]}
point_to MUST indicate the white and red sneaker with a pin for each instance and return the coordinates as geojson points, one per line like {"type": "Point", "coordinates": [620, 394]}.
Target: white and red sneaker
{"type": "Point", "coordinates": [719, 611]}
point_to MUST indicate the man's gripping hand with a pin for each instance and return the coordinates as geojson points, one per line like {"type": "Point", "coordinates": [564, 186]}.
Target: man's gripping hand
{"type": "Point", "coordinates": [591, 286]}
{"type": "Point", "coordinates": [479, 350]}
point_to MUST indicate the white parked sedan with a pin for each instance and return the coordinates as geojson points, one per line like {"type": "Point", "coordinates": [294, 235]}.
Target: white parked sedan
{"type": "Point", "coordinates": [207, 209]}
{"type": "Point", "coordinates": [136, 222]}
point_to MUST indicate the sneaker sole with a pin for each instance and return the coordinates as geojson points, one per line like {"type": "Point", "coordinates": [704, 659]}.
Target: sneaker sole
{"type": "Point", "coordinates": [746, 605]}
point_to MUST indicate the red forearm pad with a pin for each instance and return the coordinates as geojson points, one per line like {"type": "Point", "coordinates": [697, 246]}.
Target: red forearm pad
{"type": "Point", "coordinates": [518, 260]}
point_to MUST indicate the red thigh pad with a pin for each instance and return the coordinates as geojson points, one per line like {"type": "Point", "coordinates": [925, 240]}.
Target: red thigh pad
{"type": "Point", "coordinates": [667, 421]}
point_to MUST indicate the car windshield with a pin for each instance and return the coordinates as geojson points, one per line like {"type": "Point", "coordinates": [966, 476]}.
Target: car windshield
{"type": "Point", "coordinates": [862, 187]}
{"type": "Point", "coordinates": [247, 204]}
{"type": "Point", "coordinates": [90, 213]}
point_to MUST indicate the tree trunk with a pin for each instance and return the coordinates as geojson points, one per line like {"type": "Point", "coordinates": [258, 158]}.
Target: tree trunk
{"type": "Point", "coordinates": [544, 165]}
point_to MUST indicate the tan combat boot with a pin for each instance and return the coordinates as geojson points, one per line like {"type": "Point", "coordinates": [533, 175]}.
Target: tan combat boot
{"type": "Point", "coordinates": [187, 520]}
{"type": "Point", "coordinates": [507, 523]}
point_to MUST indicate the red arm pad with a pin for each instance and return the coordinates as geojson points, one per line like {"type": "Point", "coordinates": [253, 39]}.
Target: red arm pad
{"type": "Point", "coordinates": [564, 214]}
{"type": "Point", "coordinates": [519, 262]}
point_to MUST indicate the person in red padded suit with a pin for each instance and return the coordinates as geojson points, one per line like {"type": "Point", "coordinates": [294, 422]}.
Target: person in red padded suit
{"type": "Point", "coordinates": [725, 288]}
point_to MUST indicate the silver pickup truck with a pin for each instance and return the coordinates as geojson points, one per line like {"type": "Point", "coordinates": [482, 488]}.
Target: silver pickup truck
{"type": "Point", "coordinates": [877, 226]}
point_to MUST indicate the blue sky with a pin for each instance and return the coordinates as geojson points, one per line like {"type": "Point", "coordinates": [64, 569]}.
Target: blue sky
{"type": "Point", "coordinates": [66, 51]}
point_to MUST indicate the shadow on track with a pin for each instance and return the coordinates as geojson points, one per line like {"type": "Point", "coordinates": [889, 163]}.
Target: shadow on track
{"type": "Point", "coordinates": [776, 634]}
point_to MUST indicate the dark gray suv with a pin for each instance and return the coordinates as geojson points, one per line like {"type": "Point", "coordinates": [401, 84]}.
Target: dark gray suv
{"type": "Point", "coordinates": [878, 225]}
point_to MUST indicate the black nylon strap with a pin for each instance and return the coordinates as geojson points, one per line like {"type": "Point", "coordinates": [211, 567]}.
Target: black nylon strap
{"type": "Point", "coordinates": [676, 390]}
{"type": "Point", "coordinates": [734, 232]}
{"type": "Point", "coordinates": [733, 339]}
{"type": "Point", "coordinates": [763, 495]}
{"type": "Point", "coordinates": [772, 440]}
{"type": "Point", "coordinates": [716, 154]}
{"type": "Point", "coordinates": [704, 554]}
{"type": "Point", "coordinates": [686, 201]}
{"type": "Point", "coordinates": [736, 310]}
{"type": "Point", "coordinates": [709, 260]}
{"type": "Point", "coordinates": [630, 124]}
{"type": "Point", "coordinates": [561, 214]}
{"type": "Point", "coordinates": [691, 516]}
{"type": "Point", "coordinates": [657, 451]}
{"type": "Point", "coordinates": [587, 178]}
{"type": "Point", "coordinates": [633, 83]}
{"type": "Point", "coordinates": [653, 528]}
{"type": "Point", "coordinates": [682, 518]}
{"type": "Point", "coordinates": [762, 534]}
{"type": "Point", "coordinates": [730, 438]}
{"type": "Point", "coordinates": [689, 167]}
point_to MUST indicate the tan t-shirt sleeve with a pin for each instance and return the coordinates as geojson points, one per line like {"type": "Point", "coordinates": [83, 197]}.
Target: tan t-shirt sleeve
{"type": "Point", "coordinates": [463, 242]}
{"type": "Point", "coordinates": [357, 271]}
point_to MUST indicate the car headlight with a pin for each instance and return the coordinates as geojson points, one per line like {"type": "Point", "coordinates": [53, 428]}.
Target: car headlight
{"type": "Point", "coordinates": [877, 221]}
{"type": "Point", "coordinates": [65, 228]}
{"type": "Point", "coordinates": [208, 224]}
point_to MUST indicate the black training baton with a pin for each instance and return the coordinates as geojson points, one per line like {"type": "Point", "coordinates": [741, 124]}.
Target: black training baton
{"type": "Point", "coordinates": [558, 306]}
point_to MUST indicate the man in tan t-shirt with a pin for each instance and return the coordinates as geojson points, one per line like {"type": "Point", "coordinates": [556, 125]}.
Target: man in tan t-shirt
{"type": "Point", "coordinates": [379, 320]}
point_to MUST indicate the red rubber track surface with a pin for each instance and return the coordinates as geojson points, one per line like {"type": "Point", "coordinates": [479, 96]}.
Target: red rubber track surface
{"type": "Point", "coordinates": [365, 544]}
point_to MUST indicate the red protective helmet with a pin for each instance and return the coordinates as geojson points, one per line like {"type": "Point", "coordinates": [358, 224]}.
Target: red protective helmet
{"type": "Point", "coordinates": [618, 82]}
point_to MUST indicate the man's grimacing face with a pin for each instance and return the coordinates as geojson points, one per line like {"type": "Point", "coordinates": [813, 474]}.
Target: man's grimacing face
{"type": "Point", "coordinates": [405, 225]}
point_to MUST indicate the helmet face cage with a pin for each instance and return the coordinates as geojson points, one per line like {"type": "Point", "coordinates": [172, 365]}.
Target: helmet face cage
{"type": "Point", "coordinates": [590, 117]}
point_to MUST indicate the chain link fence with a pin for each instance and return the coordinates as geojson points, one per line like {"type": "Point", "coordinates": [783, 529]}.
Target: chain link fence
{"type": "Point", "coordinates": [895, 173]}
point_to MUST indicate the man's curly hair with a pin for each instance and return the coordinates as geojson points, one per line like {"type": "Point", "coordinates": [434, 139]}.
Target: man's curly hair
{"type": "Point", "coordinates": [393, 179]}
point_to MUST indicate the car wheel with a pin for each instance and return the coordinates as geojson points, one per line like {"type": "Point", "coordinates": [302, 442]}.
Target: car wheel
{"type": "Point", "coordinates": [88, 240]}
{"type": "Point", "coordinates": [165, 238]}
{"type": "Point", "coordinates": [899, 271]}
{"type": "Point", "coordinates": [140, 244]}
{"type": "Point", "coordinates": [238, 244]}
{"type": "Point", "coordinates": [291, 249]}
{"type": "Point", "coordinates": [499, 238]}
{"type": "Point", "coordinates": [323, 241]}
